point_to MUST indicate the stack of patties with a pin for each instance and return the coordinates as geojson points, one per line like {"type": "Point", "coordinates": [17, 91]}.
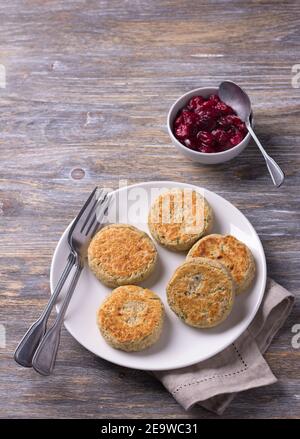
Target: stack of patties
{"type": "Point", "coordinates": [232, 253]}
{"type": "Point", "coordinates": [202, 290]}
{"type": "Point", "coordinates": [131, 317]}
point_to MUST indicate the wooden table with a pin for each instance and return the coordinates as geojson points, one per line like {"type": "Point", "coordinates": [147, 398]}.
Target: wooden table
{"type": "Point", "coordinates": [88, 87]}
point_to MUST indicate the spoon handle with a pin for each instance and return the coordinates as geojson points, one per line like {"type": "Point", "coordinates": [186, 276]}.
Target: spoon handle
{"type": "Point", "coordinates": [274, 169]}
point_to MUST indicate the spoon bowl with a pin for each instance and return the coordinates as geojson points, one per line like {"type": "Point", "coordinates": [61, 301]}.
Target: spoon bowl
{"type": "Point", "coordinates": [237, 98]}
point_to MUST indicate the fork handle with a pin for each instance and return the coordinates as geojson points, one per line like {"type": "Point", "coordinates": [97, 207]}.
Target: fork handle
{"type": "Point", "coordinates": [29, 343]}
{"type": "Point", "coordinates": [45, 355]}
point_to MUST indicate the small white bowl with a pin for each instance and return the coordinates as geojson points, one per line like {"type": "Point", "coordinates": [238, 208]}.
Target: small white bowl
{"type": "Point", "coordinates": [202, 157]}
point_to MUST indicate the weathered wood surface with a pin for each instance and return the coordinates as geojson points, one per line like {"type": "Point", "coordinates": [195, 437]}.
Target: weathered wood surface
{"type": "Point", "coordinates": [89, 84]}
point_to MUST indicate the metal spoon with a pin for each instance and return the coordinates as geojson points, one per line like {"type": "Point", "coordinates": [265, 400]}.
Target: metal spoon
{"type": "Point", "coordinates": [233, 95]}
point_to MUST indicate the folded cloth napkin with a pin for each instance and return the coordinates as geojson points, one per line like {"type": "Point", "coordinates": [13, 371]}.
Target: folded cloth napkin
{"type": "Point", "coordinates": [213, 383]}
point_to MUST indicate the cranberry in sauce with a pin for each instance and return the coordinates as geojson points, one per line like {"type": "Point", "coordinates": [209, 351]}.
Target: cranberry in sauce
{"type": "Point", "coordinates": [208, 125]}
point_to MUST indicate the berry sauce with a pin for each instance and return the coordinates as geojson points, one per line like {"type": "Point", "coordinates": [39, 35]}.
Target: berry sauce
{"type": "Point", "coordinates": [208, 125]}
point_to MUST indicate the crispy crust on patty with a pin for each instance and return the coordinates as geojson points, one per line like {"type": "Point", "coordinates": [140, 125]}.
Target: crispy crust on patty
{"type": "Point", "coordinates": [178, 218]}
{"type": "Point", "coordinates": [231, 252]}
{"type": "Point", "coordinates": [131, 318]}
{"type": "Point", "coordinates": [120, 254]}
{"type": "Point", "coordinates": [201, 293]}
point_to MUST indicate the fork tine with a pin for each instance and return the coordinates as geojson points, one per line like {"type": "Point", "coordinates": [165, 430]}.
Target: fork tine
{"type": "Point", "coordinates": [98, 222]}
{"type": "Point", "coordinates": [95, 229]}
{"type": "Point", "coordinates": [101, 210]}
{"type": "Point", "coordinates": [94, 217]}
{"type": "Point", "coordinates": [82, 211]}
{"type": "Point", "coordinates": [99, 213]}
{"type": "Point", "coordinates": [92, 209]}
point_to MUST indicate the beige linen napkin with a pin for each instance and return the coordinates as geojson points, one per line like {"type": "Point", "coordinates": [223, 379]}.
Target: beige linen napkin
{"type": "Point", "coordinates": [214, 382]}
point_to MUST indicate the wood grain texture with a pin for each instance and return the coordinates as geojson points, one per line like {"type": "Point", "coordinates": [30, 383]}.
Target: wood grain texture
{"type": "Point", "coordinates": [89, 84]}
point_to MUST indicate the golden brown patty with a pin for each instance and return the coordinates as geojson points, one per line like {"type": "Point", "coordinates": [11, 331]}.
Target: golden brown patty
{"type": "Point", "coordinates": [121, 254]}
{"type": "Point", "coordinates": [231, 252]}
{"type": "Point", "coordinates": [178, 218]}
{"type": "Point", "coordinates": [131, 318]}
{"type": "Point", "coordinates": [201, 292]}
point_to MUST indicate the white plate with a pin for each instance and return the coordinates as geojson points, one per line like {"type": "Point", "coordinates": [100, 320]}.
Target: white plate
{"type": "Point", "coordinates": [180, 345]}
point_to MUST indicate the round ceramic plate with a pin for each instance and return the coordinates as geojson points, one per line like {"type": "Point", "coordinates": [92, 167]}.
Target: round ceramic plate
{"type": "Point", "coordinates": [180, 345]}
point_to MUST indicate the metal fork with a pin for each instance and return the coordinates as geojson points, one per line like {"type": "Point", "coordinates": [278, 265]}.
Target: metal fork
{"type": "Point", "coordinates": [83, 228]}
{"type": "Point", "coordinates": [78, 238]}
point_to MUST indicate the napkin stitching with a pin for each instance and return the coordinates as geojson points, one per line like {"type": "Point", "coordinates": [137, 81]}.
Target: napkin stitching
{"type": "Point", "coordinates": [225, 375]}
{"type": "Point", "coordinates": [240, 356]}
